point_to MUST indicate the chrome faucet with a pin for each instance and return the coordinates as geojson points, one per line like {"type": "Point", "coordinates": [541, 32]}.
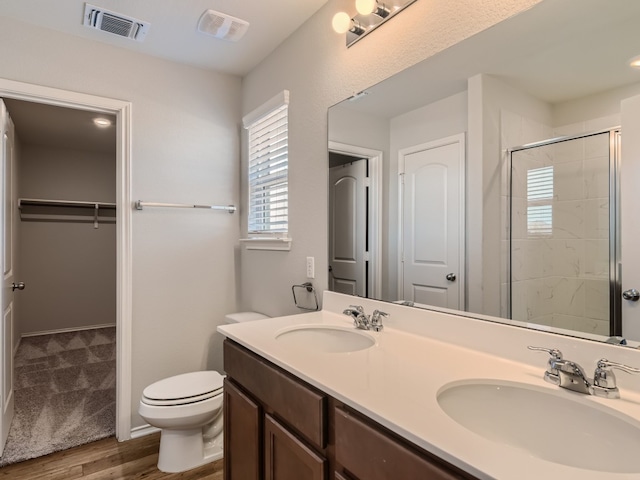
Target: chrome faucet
{"type": "Point", "coordinates": [360, 319]}
{"type": "Point", "coordinates": [376, 320]}
{"type": "Point", "coordinates": [604, 381]}
{"type": "Point", "coordinates": [364, 321]}
{"type": "Point", "coordinates": [570, 375]}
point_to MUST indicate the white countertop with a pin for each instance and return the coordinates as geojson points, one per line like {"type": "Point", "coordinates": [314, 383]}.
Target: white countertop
{"type": "Point", "coordinates": [396, 381]}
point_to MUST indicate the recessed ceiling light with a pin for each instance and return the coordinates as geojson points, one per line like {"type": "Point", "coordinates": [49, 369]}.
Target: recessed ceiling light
{"type": "Point", "coordinates": [102, 122]}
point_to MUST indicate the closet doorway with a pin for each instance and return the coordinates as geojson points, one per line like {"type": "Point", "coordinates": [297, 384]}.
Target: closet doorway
{"type": "Point", "coordinates": [61, 207]}
{"type": "Point", "coordinates": [122, 109]}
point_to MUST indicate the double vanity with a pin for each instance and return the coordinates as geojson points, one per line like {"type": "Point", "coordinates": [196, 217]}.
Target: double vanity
{"type": "Point", "coordinates": [430, 395]}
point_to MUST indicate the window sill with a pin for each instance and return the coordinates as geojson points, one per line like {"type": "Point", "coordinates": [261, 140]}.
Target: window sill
{"type": "Point", "coordinates": [270, 243]}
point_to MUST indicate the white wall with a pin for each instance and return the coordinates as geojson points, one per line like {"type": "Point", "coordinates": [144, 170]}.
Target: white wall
{"type": "Point", "coordinates": [592, 113]}
{"type": "Point", "coordinates": [359, 129]}
{"type": "Point", "coordinates": [319, 71]}
{"type": "Point", "coordinates": [184, 149]}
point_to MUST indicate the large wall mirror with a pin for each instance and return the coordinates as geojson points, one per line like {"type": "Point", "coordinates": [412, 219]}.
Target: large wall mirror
{"type": "Point", "coordinates": [485, 179]}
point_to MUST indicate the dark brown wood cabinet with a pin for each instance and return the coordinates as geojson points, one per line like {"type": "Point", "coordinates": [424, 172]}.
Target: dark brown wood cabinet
{"type": "Point", "coordinates": [277, 427]}
{"type": "Point", "coordinates": [242, 445]}
{"type": "Point", "coordinates": [287, 458]}
{"type": "Point", "coordinates": [367, 452]}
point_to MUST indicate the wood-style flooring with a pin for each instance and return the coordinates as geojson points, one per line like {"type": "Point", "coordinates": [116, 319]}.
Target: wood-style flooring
{"type": "Point", "coordinates": [106, 459]}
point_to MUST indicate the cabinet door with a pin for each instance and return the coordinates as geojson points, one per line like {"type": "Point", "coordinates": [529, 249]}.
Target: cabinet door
{"type": "Point", "coordinates": [367, 453]}
{"type": "Point", "coordinates": [287, 458]}
{"type": "Point", "coordinates": [242, 435]}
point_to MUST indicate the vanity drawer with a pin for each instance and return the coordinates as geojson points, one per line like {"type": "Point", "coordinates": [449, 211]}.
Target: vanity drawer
{"type": "Point", "coordinates": [299, 405]}
{"type": "Point", "coordinates": [367, 452]}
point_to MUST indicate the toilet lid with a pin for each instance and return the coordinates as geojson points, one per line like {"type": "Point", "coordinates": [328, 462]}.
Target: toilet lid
{"type": "Point", "coordinates": [188, 387]}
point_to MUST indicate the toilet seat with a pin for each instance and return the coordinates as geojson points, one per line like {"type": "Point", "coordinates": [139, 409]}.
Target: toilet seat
{"type": "Point", "coordinates": [184, 389]}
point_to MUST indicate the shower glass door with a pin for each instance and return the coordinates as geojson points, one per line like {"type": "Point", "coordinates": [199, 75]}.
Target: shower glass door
{"type": "Point", "coordinates": [563, 234]}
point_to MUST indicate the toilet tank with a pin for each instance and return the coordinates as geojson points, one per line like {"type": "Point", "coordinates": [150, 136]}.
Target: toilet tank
{"type": "Point", "coordinates": [243, 317]}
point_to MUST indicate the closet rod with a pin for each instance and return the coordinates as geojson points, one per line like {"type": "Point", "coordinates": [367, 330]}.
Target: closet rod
{"type": "Point", "coordinates": [140, 204]}
{"type": "Point", "coordinates": [63, 203]}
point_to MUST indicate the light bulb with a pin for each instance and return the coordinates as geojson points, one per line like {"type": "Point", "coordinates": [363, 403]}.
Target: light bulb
{"type": "Point", "coordinates": [635, 62]}
{"type": "Point", "coordinates": [341, 22]}
{"type": "Point", "coordinates": [365, 7]}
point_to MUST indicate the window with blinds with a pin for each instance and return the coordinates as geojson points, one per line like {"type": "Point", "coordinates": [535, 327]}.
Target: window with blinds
{"type": "Point", "coordinates": [539, 201]}
{"type": "Point", "coordinates": [268, 171]}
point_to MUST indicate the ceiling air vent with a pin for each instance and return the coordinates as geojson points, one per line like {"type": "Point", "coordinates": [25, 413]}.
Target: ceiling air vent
{"type": "Point", "coordinates": [222, 26]}
{"type": "Point", "coordinates": [114, 23]}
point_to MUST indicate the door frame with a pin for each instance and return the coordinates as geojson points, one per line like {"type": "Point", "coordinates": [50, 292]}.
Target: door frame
{"type": "Point", "coordinates": [375, 158]}
{"type": "Point", "coordinates": [462, 165]}
{"type": "Point", "coordinates": [122, 110]}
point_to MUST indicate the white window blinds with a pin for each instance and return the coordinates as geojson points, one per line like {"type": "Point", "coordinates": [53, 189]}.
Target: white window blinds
{"type": "Point", "coordinates": [540, 201]}
{"type": "Point", "coordinates": [268, 167]}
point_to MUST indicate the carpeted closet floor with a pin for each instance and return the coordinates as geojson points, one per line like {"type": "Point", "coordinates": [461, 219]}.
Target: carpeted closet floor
{"type": "Point", "coordinates": [64, 393]}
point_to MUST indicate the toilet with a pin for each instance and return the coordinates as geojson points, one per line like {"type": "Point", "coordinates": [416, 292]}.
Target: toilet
{"type": "Point", "coordinates": [187, 408]}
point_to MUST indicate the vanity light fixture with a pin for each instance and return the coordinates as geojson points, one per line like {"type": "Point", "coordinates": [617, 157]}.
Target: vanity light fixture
{"type": "Point", "coordinates": [102, 122]}
{"type": "Point", "coordinates": [370, 15]}
{"type": "Point", "coordinates": [342, 24]}
{"type": "Point", "coordinates": [367, 7]}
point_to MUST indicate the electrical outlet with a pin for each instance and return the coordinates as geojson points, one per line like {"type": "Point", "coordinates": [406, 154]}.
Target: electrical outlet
{"type": "Point", "coordinates": [311, 269]}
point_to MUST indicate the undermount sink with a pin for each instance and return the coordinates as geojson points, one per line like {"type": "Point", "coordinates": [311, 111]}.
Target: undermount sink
{"type": "Point", "coordinates": [325, 338]}
{"type": "Point", "coordinates": [556, 426]}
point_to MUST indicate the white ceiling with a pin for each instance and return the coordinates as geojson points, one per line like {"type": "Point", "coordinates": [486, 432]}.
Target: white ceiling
{"type": "Point", "coordinates": [173, 32]}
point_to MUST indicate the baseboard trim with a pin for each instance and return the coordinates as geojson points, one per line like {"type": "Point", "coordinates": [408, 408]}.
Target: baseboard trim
{"type": "Point", "coordinates": [66, 330]}
{"type": "Point", "coordinates": [143, 431]}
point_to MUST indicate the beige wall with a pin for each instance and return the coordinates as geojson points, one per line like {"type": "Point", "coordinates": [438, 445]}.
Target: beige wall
{"type": "Point", "coordinates": [69, 268]}
{"type": "Point", "coordinates": [184, 149]}
{"type": "Point", "coordinates": [319, 71]}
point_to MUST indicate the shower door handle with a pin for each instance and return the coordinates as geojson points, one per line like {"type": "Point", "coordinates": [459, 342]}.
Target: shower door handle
{"type": "Point", "coordinates": [451, 277]}
{"type": "Point", "coordinates": [632, 295]}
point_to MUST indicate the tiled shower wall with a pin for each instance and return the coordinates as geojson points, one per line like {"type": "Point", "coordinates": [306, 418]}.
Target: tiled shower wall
{"type": "Point", "coordinates": [560, 273]}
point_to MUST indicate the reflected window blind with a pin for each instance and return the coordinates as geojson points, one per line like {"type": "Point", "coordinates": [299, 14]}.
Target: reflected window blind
{"type": "Point", "coordinates": [539, 198]}
{"type": "Point", "coordinates": [268, 173]}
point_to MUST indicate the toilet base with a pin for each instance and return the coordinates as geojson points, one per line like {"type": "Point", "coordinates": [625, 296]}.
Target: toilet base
{"type": "Point", "coordinates": [182, 450]}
